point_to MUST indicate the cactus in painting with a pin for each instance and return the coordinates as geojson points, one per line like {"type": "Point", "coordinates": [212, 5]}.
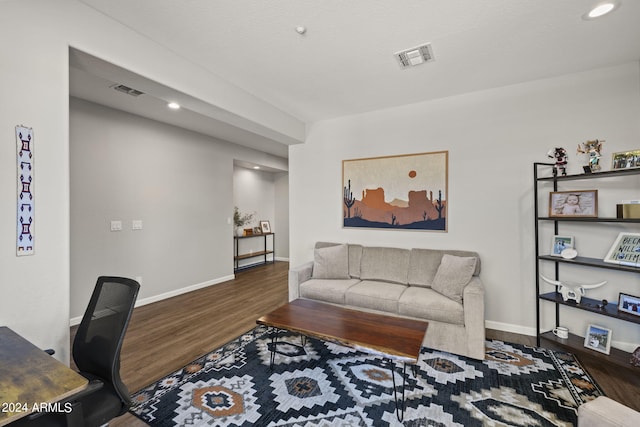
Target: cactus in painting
{"type": "Point", "coordinates": [348, 199]}
{"type": "Point", "coordinates": [439, 206]}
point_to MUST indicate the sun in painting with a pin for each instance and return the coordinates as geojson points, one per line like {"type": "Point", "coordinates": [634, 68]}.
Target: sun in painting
{"type": "Point", "coordinates": [412, 174]}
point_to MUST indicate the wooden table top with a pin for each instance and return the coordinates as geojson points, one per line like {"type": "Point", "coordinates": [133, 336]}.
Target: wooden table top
{"type": "Point", "coordinates": [30, 377]}
{"type": "Point", "coordinates": [394, 337]}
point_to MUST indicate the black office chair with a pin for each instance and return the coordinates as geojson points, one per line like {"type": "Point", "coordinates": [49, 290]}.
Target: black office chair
{"type": "Point", "coordinates": [96, 352]}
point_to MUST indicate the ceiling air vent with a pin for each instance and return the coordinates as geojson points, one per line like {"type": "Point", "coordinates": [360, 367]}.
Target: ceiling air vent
{"type": "Point", "coordinates": [415, 56]}
{"type": "Point", "coordinates": [127, 90]}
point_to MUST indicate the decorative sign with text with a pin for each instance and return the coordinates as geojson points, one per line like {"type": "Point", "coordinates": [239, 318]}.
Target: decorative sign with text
{"type": "Point", "coordinates": [625, 250]}
{"type": "Point", "coordinates": [26, 212]}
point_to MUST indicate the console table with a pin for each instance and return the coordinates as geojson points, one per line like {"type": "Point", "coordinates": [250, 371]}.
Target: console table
{"type": "Point", "coordinates": [264, 253]}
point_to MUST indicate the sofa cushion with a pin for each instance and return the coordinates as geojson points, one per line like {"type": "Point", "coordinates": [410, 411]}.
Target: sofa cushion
{"type": "Point", "coordinates": [326, 290]}
{"type": "Point", "coordinates": [355, 257]}
{"type": "Point", "coordinates": [331, 262]}
{"type": "Point", "coordinates": [428, 304]}
{"type": "Point", "coordinates": [385, 264]}
{"type": "Point", "coordinates": [453, 275]}
{"type": "Point", "coordinates": [375, 295]}
{"type": "Point", "coordinates": [424, 263]}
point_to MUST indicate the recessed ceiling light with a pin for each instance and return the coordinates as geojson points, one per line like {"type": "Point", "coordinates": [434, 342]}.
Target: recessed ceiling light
{"type": "Point", "coordinates": [256, 167]}
{"type": "Point", "coordinates": [601, 9]}
{"type": "Point", "coordinates": [173, 105]}
{"type": "Point", "coordinates": [301, 29]}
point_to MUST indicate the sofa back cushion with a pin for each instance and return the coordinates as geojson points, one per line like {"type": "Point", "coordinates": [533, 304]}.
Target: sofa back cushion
{"type": "Point", "coordinates": [355, 258]}
{"type": "Point", "coordinates": [385, 264]}
{"type": "Point", "coordinates": [355, 255]}
{"type": "Point", "coordinates": [331, 262]}
{"type": "Point", "coordinates": [454, 273]}
{"type": "Point", "coordinates": [424, 264]}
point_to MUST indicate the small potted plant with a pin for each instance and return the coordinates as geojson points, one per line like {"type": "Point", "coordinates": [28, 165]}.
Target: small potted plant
{"type": "Point", "coordinates": [239, 220]}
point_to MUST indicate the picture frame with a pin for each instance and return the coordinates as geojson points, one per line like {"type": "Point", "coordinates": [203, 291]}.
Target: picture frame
{"type": "Point", "coordinates": [629, 304]}
{"type": "Point", "coordinates": [572, 204]}
{"type": "Point", "coordinates": [625, 250]}
{"type": "Point", "coordinates": [397, 192]}
{"type": "Point", "coordinates": [257, 230]}
{"type": "Point", "coordinates": [598, 338]}
{"type": "Point", "coordinates": [625, 160]}
{"type": "Point", "coordinates": [560, 243]}
{"type": "Point", "coordinates": [265, 226]}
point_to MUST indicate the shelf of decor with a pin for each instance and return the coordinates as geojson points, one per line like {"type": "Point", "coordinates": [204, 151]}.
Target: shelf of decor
{"type": "Point", "coordinates": [592, 262]}
{"type": "Point", "coordinates": [619, 220]}
{"type": "Point", "coordinates": [237, 257]}
{"type": "Point", "coordinates": [575, 343]}
{"type": "Point", "coordinates": [589, 304]}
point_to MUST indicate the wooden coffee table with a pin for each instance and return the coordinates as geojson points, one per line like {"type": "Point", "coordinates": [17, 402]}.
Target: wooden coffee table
{"type": "Point", "coordinates": [396, 339]}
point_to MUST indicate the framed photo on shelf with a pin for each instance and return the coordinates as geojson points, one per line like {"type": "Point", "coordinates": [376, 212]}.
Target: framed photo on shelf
{"type": "Point", "coordinates": [598, 338]}
{"type": "Point", "coordinates": [625, 250]}
{"type": "Point", "coordinates": [257, 230]}
{"type": "Point", "coordinates": [560, 243]}
{"type": "Point", "coordinates": [579, 203]}
{"type": "Point", "coordinates": [626, 160]}
{"type": "Point", "coordinates": [265, 226]}
{"type": "Point", "coordinates": [629, 304]}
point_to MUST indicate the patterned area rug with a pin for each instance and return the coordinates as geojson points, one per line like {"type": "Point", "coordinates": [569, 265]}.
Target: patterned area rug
{"type": "Point", "coordinates": [324, 384]}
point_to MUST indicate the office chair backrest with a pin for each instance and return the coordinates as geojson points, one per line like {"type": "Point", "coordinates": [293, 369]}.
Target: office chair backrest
{"type": "Point", "coordinates": [97, 344]}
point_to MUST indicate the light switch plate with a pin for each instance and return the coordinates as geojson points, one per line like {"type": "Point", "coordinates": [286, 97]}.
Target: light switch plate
{"type": "Point", "coordinates": [116, 225]}
{"type": "Point", "coordinates": [136, 224]}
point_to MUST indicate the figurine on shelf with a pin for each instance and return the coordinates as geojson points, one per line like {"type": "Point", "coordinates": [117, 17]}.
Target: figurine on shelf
{"type": "Point", "coordinates": [572, 291]}
{"type": "Point", "coordinates": [561, 157]}
{"type": "Point", "coordinates": [593, 149]}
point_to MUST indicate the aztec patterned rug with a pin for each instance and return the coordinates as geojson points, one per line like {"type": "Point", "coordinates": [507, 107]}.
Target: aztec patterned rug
{"type": "Point", "coordinates": [325, 384]}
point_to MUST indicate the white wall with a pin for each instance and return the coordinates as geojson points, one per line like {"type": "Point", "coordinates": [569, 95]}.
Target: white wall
{"type": "Point", "coordinates": [35, 36]}
{"type": "Point", "coordinates": [281, 215]}
{"type": "Point", "coordinates": [179, 183]}
{"type": "Point", "coordinates": [265, 194]}
{"type": "Point", "coordinates": [254, 193]}
{"type": "Point", "coordinates": [493, 138]}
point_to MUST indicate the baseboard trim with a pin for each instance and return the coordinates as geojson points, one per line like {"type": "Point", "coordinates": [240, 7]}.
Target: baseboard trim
{"type": "Point", "coordinates": [508, 327]}
{"type": "Point", "coordinates": [140, 302]}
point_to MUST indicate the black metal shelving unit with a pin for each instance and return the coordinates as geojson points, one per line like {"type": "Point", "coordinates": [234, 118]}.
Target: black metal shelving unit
{"type": "Point", "coordinates": [575, 343]}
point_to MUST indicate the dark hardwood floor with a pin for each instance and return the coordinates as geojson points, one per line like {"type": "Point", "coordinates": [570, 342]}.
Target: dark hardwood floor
{"type": "Point", "coordinates": [166, 335]}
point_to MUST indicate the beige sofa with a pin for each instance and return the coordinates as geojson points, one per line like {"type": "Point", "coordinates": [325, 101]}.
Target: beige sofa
{"type": "Point", "coordinates": [442, 287]}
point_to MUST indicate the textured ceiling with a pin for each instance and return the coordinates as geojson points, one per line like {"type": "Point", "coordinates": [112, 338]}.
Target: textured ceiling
{"type": "Point", "coordinates": [344, 64]}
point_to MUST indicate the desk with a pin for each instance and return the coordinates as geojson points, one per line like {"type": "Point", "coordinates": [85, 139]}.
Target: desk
{"type": "Point", "coordinates": [29, 376]}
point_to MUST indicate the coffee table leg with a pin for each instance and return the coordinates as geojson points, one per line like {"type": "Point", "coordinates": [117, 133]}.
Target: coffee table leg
{"type": "Point", "coordinates": [274, 340]}
{"type": "Point", "coordinates": [399, 405]}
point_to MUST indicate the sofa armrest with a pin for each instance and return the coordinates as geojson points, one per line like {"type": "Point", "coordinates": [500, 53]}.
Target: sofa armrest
{"type": "Point", "coordinates": [298, 275]}
{"type": "Point", "coordinates": [473, 302]}
{"type": "Point", "coordinates": [604, 412]}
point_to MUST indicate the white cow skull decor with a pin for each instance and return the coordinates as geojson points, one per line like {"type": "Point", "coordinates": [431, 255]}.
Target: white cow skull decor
{"type": "Point", "coordinates": [572, 291]}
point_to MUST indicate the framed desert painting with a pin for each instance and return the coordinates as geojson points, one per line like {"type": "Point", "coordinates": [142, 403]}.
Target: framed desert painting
{"type": "Point", "coordinates": [404, 192]}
